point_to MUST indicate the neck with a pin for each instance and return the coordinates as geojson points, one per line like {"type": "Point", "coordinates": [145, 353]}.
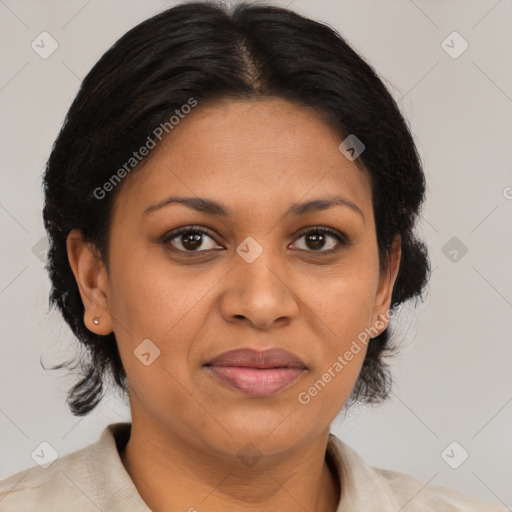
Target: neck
{"type": "Point", "coordinates": [170, 473]}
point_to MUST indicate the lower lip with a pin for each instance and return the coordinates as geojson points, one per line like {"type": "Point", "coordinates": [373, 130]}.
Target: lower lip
{"type": "Point", "coordinates": [256, 381]}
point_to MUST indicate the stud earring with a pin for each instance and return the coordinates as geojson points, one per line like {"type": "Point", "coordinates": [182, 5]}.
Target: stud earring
{"type": "Point", "coordinates": [96, 320]}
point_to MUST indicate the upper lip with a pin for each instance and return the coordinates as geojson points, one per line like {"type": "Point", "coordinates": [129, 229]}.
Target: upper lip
{"type": "Point", "coordinates": [249, 358]}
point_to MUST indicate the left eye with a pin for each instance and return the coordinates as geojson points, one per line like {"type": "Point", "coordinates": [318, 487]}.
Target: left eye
{"type": "Point", "coordinates": [315, 240]}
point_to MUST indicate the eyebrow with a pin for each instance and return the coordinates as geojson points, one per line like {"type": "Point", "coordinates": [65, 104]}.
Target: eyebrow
{"type": "Point", "coordinates": [210, 207]}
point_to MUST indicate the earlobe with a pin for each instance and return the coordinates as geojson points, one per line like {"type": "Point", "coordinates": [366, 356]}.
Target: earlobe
{"type": "Point", "coordinates": [90, 275]}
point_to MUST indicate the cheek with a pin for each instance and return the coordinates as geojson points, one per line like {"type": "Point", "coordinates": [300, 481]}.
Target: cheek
{"type": "Point", "coordinates": [342, 306]}
{"type": "Point", "coordinates": [344, 311]}
{"type": "Point", "coordinates": [324, 394]}
{"type": "Point", "coordinates": [344, 298]}
{"type": "Point", "coordinates": [147, 297]}
{"type": "Point", "coordinates": [149, 300]}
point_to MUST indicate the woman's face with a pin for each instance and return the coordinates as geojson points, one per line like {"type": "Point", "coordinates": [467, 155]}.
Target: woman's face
{"type": "Point", "coordinates": [263, 277]}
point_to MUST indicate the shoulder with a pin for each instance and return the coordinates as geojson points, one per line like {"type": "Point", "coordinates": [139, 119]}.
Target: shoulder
{"type": "Point", "coordinates": [365, 487]}
{"type": "Point", "coordinates": [422, 496]}
{"type": "Point", "coordinates": [89, 479]}
{"type": "Point", "coordinates": [54, 488]}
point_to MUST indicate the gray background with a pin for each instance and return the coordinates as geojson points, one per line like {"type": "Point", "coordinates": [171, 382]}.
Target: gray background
{"type": "Point", "coordinates": [452, 377]}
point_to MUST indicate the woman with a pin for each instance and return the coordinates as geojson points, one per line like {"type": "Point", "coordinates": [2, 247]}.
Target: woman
{"type": "Point", "coordinates": [231, 204]}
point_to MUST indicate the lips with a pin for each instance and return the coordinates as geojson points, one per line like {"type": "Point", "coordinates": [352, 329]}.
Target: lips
{"type": "Point", "coordinates": [257, 373]}
{"type": "Point", "coordinates": [248, 358]}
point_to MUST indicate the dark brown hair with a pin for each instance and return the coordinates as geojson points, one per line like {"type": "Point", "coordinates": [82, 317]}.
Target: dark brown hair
{"type": "Point", "coordinates": [208, 51]}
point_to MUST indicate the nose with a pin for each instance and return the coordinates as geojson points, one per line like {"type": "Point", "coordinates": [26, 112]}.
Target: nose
{"type": "Point", "coordinates": [259, 293]}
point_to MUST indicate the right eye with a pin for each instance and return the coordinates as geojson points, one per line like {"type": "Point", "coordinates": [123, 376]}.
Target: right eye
{"type": "Point", "coordinates": [188, 239]}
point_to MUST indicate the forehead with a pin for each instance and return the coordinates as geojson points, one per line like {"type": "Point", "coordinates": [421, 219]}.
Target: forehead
{"type": "Point", "coordinates": [250, 154]}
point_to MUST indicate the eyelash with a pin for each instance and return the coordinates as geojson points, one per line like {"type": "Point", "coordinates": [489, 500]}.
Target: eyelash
{"type": "Point", "coordinates": [341, 239]}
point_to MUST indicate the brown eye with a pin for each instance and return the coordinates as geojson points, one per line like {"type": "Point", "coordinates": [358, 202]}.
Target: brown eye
{"type": "Point", "coordinates": [190, 240]}
{"type": "Point", "coordinates": [323, 240]}
{"type": "Point", "coordinates": [315, 240]}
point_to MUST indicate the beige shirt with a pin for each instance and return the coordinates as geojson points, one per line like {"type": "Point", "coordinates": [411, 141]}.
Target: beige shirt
{"type": "Point", "coordinates": [94, 479]}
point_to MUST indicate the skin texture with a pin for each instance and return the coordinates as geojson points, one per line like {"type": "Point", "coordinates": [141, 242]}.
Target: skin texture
{"type": "Point", "coordinates": [256, 158]}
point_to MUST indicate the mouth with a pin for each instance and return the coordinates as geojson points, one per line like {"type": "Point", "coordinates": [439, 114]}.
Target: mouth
{"type": "Point", "coordinates": [257, 373]}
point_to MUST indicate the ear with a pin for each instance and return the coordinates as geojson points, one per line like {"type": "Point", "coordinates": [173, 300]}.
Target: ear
{"type": "Point", "coordinates": [385, 288]}
{"type": "Point", "coordinates": [91, 277]}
